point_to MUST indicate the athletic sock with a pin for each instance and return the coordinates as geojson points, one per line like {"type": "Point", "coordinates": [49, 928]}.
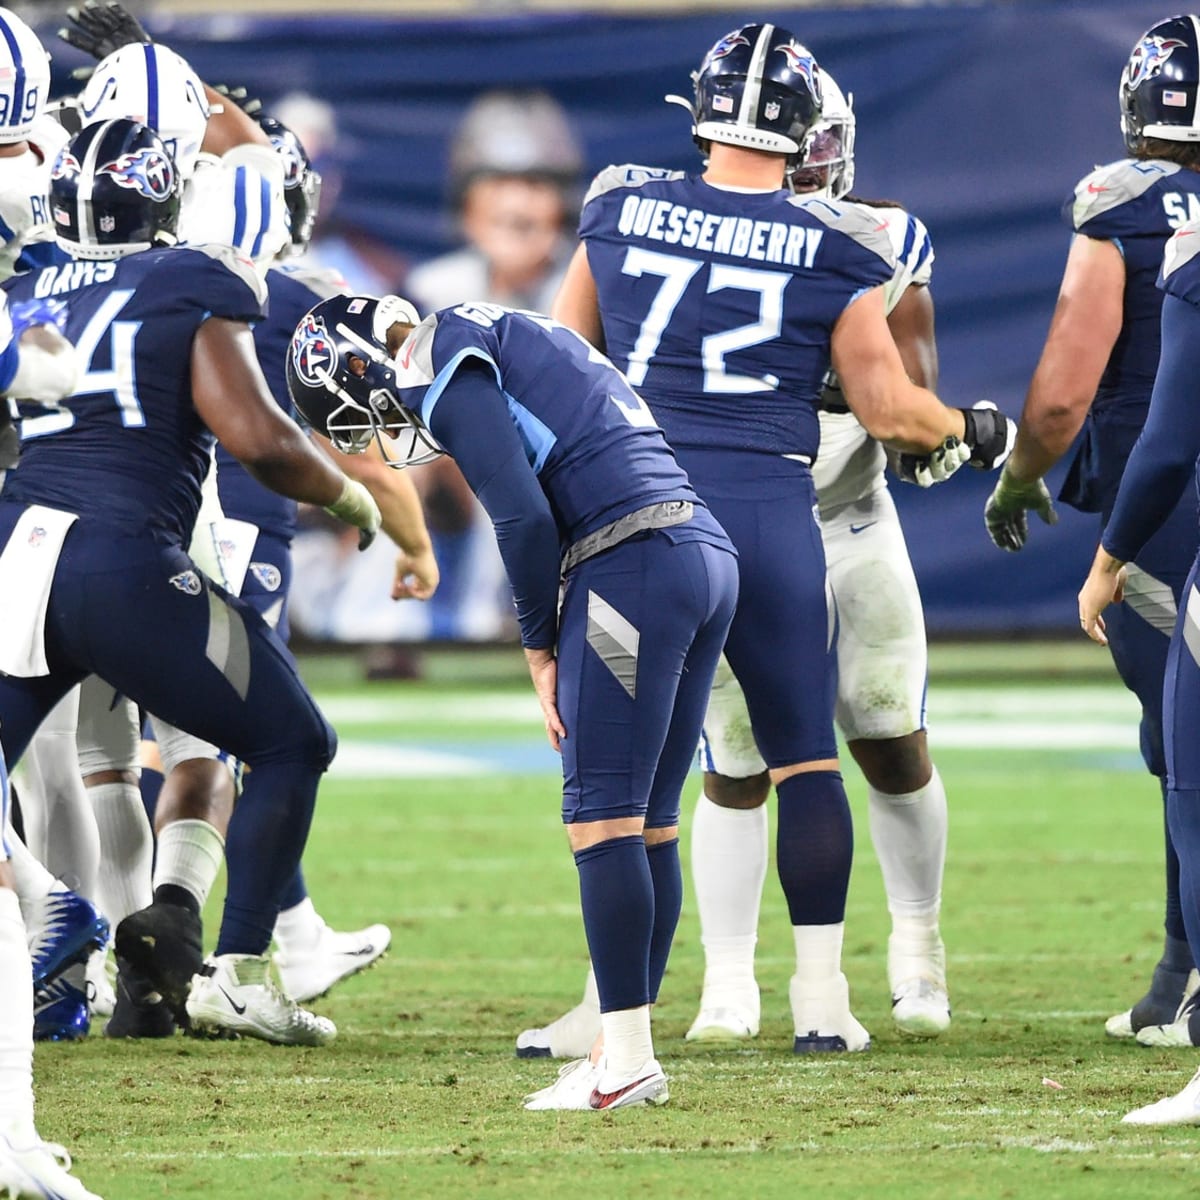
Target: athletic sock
{"type": "Point", "coordinates": [666, 877]}
{"type": "Point", "coordinates": [298, 928]}
{"type": "Point", "coordinates": [909, 833]}
{"type": "Point", "coordinates": [32, 879]}
{"type": "Point", "coordinates": [126, 850]}
{"type": "Point", "coordinates": [628, 1045]}
{"type": "Point", "coordinates": [16, 1022]}
{"type": "Point", "coordinates": [616, 893]}
{"type": "Point", "coordinates": [190, 854]}
{"type": "Point", "coordinates": [814, 846]}
{"type": "Point", "coordinates": [818, 952]}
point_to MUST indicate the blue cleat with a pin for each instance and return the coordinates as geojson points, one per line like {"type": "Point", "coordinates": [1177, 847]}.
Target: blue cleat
{"type": "Point", "coordinates": [64, 929]}
{"type": "Point", "coordinates": [60, 1010]}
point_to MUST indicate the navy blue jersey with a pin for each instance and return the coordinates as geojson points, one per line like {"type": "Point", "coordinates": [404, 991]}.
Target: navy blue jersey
{"type": "Point", "coordinates": [292, 291]}
{"type": "Point", "coordinates": [129, 448]}
{"type": "Point", "coordinates": [719, 305]}
{"type": "Point", "coordinates": [1136, 205]}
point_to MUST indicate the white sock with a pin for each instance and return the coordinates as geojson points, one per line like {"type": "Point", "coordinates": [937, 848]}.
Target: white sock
{"type": "Point", "coordinates": [909, 834]}
{"type": "Point", "coordinates": [16, 1022]}
{"type": "Point", "coordinates": [627, 1042]}
{"type": "Point", "coordinates": [298, 929]}
{"type": "Point", "coordinates": [32, 879]}
{"type": "Point", "coordinates": [190, 854]}
{"type": "Point", "coordinates": [818, 952]}
{"type": "Point", "coordinates": [126, 849]}
{"type": "Point", "coordinates": [729, 866]}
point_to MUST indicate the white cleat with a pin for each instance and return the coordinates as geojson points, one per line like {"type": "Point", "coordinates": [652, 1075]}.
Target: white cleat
{"type": "Point", "coordinates": [102, 999]}
{"type": "Point", "coordinates": [1183, 1031]}
{"type": "Point", "coordinates": [234, 994]}
{"type": "Point", "coordinates": [570, 1036]}
{"type": "Point", "coordinates": [822, 1018]}
{"type": "Point", "coordinates": [1180, 1109]}
{"type": "Point", "coordinates": [570, 1091]}
{"type": "Point", "coordinates": [310, 974]}
{"type": "Point", "coordinates": [37, 1170]}
{"type": "Point", "coordinates": [917, 977]}
{"type": "Point", "coordinates": [722, 1024]}
{"type": "Point", "coordinates": [1156, 1009]}
{"type": "Point", "coordinates": [1120, 1025]}
{"type": "Point", "coordinates": [645, 1086]}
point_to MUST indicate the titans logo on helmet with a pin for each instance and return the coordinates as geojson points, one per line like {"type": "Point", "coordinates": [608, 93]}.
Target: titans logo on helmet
{"type": "Point", "coordinates": [312, 352]}
{"type": "Point", "coordinates": [66, 166]}
{"type": "Point", "coordinates": [147, 170]}
{"type": "Point", "coordinates": [801, 63]}
{"type": "Point", "coordinates": [727, 45]}
{"type": "Point", "coordinates": [293, 164]}
{"type": "Point", "coordinates": [1149, 58]}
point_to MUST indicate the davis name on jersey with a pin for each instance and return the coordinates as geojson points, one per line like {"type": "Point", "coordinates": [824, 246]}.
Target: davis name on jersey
{"type": "Point", "coordinates": [719, 305]}
{"type": "Point", "coordinates": [128, 448]}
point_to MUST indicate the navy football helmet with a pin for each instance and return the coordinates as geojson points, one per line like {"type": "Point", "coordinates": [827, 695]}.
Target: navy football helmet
{"type": "Point", "coordinates": [757, 87]}
{"type": "Point", "coordinates": [114, 189]}
{"type": "Point", "coordinates": [301, 184]}
{"type": "Point", "coordinates": [1160, 86]}
{"type": "Point", "coordinates": [343, 381]}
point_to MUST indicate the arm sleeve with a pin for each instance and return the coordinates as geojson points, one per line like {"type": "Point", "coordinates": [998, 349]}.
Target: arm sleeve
{"type": "Point", "coordinates": [1164, 458]}
{"type": "Point", "coordinates": [471, 421]}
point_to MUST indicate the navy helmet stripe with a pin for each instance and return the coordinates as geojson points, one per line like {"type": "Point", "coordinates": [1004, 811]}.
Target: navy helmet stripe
{"type": "Point", "coordinates": [18, 101]}
{"type": "Point", "coordinates": [151, 86]}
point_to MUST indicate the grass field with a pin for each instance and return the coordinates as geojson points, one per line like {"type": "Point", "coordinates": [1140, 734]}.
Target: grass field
{"type": "Point", "coordinates": [441, 819]}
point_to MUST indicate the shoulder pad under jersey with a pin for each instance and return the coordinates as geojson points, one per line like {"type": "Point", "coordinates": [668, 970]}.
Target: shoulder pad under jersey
{"type": "Point", "coordinates": [858, 222]}
{"type": "Point", "coordinates": [414, 359]}
{"type": "Point", "coordinates": [321, 281]}
{"type": "Point", "coordinates": [1181, 264]}
{"type": "Point", "coordinates": [627, 176]}
{"type": "Point", "coordinates": [1107, 188]}
{"type": "Point", "coordinates": [236, 264]}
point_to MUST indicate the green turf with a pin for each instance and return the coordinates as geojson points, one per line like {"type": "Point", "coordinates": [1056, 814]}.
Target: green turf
{"type": "Point", "coordinates": [1052, 922]}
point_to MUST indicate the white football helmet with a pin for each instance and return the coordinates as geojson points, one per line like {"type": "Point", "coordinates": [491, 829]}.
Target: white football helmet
{"type": "Point", "coordinates": [826, 167]}
{"type": "Point", "coordinates": [151, 84]}
{"type": "Point", "coordinates": [24, 77]}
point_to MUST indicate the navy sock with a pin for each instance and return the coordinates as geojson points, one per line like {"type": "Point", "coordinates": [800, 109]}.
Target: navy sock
{"type": "Point", "coordinates": [617, 896]}
{"type": "Point", "coordinates": [666, 877]}
{"type": "Point", "coordinates": [1173, 918]}
{"type": "Point", "coordinates": [814, 846]}
{"type": "Point", "coordinates": [262, 851]}
{"type": "Point", "coordinates": [151, 784]}
{"type": "Point", "coordinates": [1183, 816]}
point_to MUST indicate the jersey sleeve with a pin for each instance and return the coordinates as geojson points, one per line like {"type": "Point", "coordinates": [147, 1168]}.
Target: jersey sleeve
{"type": "Point", "coordinates": [913, 249]}
{"type": "Point", "coordinates": [869, 260]}
{"type": "Point", "coordinates": [228, 285]}
{"type": "Point", "coordinates": [1180, 276]}
{"type": "Point", "coordinates": [613, 179]}
{"type": "Point", "coordinates": [1110, 203]}
{"type": "Point", "coordinates": [433, 353]}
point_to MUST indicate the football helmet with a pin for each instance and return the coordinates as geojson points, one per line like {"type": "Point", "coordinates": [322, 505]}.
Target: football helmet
{"type": "Point", "coordinates": [1160, 86]}
{"type": "Point", "coordinates": [826, 168]}
{"type": "Point", "coordinates": [114, 190]}
{"type": "Point", "coordinates": [351, 407]}
{"type": "Point", "coordinates": [151, 84]}
{"type": "Point", "coordinates": [24, 77]}
{"type": "Point", "coordinates": [757, 87]}
{"type": "Point", "coordinates": [301, 184]}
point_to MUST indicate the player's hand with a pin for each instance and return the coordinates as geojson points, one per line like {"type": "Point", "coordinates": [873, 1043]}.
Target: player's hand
{"type": "Point", "coordinates": [927, 469]}
{"type": "Point", "coordinates": [1007, 506]}
{"type": "Point", "coordinates": [250, 105]}
{"type": "Point", "coordinates": [356, 506]}
{"type": "Point", "coordinates": [1104, 585]}
{"type": "Point", "coordinates": [99, 29]}
{"type": "Point", "coordinates": [417, 576]}
{"type": "Point", "coordinates": [989, 434]}
{"type": "Point", "coordinates": [543, 670]}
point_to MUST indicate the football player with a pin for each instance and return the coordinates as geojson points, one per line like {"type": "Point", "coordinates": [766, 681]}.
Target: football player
{"type": "Point", "coordinates": [1096, 372]}
{"type": "Point", "coordinates": [578, 481]}
{"type": "Point", "coordinates": [1163, 462]}
{"type": "Point", "coordinates": [107, 495]}
{"type": "Point", "coordinates": [686, 280]}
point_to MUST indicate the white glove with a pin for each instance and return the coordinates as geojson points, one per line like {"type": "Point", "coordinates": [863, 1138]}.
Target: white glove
{"type": "Point", "coordinates": [356, 506]}
{"type": "Point", "coordinates": [936, 467]}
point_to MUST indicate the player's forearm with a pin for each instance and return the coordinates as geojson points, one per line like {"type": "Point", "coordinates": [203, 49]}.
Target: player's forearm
{"type": "Point", "coordinates": [1054, 412]}
{"type": "Point", "coordinates": [403, 519]}
{"type": "Point", "coordinates": [912, 420]}
{"type": "Point", "coordinates": [292, 468]}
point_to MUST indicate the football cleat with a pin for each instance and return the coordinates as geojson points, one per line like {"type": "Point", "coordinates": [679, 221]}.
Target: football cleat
{"type": "Point", "coordinates": [234, 994]}
{"type": "Point", "coordinates": [37, 1170]}
{"type": "Point", "coordinates": [1159, 1006]}
{"type": "Point", "coordinates": [646, 1086]}
{"type": "Point", "coordinates": [1184, 1030]}
{"type": "Point", "coordinates": [570, 1036]}
{"type": "Point", "coordinates": [917, 976]}
{"type": "Point", "coordinates": [60, 1008]}
{"type": "Point", "coordinates": [162, 943]}
{"type": "Point", "coordinates": [309, 974]}
{"type": "Point", "coordinates": [101, 997]}
{"type": "Point", "coordinates": [722, 1025]}
{"type": "Point", "coordinates": [64, 928]}
{"type": "Point", "coordinates": [1180, 1109]}
{"type": "Point", "coordinates": [822, 1018]}
{"type": "Point", "coordinates": [571, 1089]}
{"type": "Point", "coordinates": [140, 1011]}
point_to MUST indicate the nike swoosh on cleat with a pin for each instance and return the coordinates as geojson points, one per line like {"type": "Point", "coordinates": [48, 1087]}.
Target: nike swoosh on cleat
{"type": "Point", "coordinates": [860, 528]}
{"type": "Point", "coordinates": [599, 1099]}
{"type": "Point", "coordinates": [237, 1008]}
{"type": "Point", "coordinates": [360, 953]}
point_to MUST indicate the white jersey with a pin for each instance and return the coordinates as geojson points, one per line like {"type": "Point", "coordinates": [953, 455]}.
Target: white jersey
{"type": "Point", "coordinates": [850, 463]}
{"type": "Point", "coordinates": [24, 192]}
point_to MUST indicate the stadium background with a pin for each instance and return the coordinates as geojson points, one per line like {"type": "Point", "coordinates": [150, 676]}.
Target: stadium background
{"type": "Point", "coordinates": [979, 118]}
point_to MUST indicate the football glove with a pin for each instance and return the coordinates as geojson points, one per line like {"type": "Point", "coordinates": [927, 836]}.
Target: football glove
{"type": "Point", "coordinates": [990, 435]}
{"type": "Point", "coordinates": [1007, 506]}
{"type": "Point", "coordinates": [250, 105]}
{"type": "Point", "coordinates": [936, 467]}
{"type": "Point", "coordinates": [99, 30]}
{"type": "Point", "coordinates": [25, 313]}
{"type": "Point", "coordinates": [356, 506]}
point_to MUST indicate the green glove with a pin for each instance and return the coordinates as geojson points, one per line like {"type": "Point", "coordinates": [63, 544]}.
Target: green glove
{"type": "Point", "coordinates": [1004, 513]}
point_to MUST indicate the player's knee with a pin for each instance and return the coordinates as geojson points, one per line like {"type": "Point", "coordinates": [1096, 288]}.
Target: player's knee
{"type": "Point", "coordinates": [727, 792]}
{"type": "Point", "coordinates": [894, 766]}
